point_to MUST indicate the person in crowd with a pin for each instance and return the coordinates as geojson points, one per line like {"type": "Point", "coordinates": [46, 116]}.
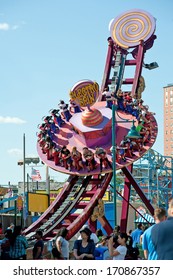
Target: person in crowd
{"type": "Point", "coordinates": [129, 145]}
{"type": "Point", "coordinates": [132, 253]}
{"type": "Point", "coordinates": [103, 241]}
{"type": "Point", "coordinates": [18, 245]}
{"type": "Point", "coordinates": [84, 249]}
{"type": "Point", "coordinates": [144, 133]}
{"type": "Point", "coordinates": [66, 158]}
{"type": "Point", "coordinates": [93, 235]}
{"type": "Point", "coordinates": [5, 245]}
{"type": "Point", "coordinates": [74, 107]}
{"type": "Point", "coordinates": [147, 244]}
{"type": "Point", "coordinates": [109, 97]}
{"type": "Point", "coordinates": [120, 100]}
{"type": "Point", "coordinates": [89, 159]}
{"type": "Point", "coordinates": [141, 237]}
{"type": "Point", "coordinates": [101, 250]}
{"type": "Point", "coordinates": [38, 246]}
{"type": "Point", "coordinates": [65, 113]}
{"type": "Point", "coordinates": [122, 149]}
{"type": "Point", "coordinates": [118, 253]}
{"type": "Point", "coordinates": [50, 124]}
{"type": "Point", "coordinates": [99, 234]}
{"type": "Point", "coordinates": [57, 117]}
{"type": "Point", "coordinates": [56, 151]}
{"type": "Point", "coordinates": [102, 156]}
{"type": "Point", "coordinates": [161, 235]}
{"type": "Point", "coordinates": [1, 230]}
{"type": "Point", "coordinates": [11, 226]}
{"type": "Point", "coordinates": [49, 147]}
{"type": "Point", "coordinates": [116, 232]}
{"type": "Point", "coordinates": [76, 157]}
{"type": "Point", "coordinates": [62, 244]}
{"type": "Point", "coordinates": [136, 235]}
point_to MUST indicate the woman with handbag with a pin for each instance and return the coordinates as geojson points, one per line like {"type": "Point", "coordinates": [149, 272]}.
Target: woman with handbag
{"type": "Point", "coordinates": [62, 245]}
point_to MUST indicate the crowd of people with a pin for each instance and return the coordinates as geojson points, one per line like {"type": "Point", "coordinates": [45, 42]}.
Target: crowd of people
{"type": "Point", "coordinates": [154, 241]}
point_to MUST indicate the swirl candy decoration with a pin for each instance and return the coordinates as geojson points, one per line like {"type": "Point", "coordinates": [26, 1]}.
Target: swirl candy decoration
{"type": "Point", "coordinates": [128, 29]}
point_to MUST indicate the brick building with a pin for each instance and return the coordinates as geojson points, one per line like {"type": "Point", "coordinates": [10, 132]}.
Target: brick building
{"type": "Point", "coordinates": [168, 120]}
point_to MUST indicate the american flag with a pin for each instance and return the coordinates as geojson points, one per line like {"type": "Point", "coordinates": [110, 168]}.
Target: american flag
{"type": "Point", "coordinates": [35, 175]}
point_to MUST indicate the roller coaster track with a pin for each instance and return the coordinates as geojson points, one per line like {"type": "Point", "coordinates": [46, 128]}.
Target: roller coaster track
{"type": "Point", "coordinates": [61, 211]}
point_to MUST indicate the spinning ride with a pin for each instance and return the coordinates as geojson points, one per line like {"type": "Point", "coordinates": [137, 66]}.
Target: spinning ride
{"type": "Point", "coordinates": [87, 126]}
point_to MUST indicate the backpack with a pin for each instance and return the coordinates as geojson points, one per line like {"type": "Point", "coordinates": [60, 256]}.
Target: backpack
{"type": "Point", "coordinates": [132, 253]}
{"type": "Point", "coordinates": [56, 254]}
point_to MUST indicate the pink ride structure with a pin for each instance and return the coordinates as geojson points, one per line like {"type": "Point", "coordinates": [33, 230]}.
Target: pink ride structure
{"type": "Point", "coordinates": [89, 127]}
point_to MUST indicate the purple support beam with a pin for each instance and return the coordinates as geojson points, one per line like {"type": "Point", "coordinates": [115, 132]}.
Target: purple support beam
{"type": "Point", "coordinates": [128, 174]}
{"type": "Point", "coordinates": [125, 202]}
{"type": "Point", "coordinates": [133, 208]}
{"type": "Point", "coordinates": [92, 225]}
{"type": "Point", "coordinates": [128, 81]}
{"type": "Point", "coordinates": [107, 69]}
{"type": "Point", "coordinates": [130, 62]}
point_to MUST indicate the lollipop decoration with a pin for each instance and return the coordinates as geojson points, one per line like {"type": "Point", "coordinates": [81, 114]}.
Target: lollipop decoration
{"type": "Point", "coordinates": [128, 29]}
{"type": "Point", "coordinates": [85, 93]}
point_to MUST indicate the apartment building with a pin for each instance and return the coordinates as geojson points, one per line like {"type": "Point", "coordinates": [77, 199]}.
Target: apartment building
{"type": "Point", "coordinates": [168, 120]}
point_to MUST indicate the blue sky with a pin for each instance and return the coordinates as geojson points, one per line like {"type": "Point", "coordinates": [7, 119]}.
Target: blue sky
{"type": "Point", "coordinates": [46, 47]}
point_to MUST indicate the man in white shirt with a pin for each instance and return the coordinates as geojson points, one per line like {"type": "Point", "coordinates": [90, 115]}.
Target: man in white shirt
{"type": "Point", "coordinates": [109, 97]}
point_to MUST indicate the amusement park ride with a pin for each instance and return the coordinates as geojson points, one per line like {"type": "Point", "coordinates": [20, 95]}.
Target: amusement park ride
{"type": "Point", "coordinates": [77, 140]}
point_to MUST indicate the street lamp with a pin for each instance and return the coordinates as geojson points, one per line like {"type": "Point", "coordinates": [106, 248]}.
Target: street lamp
{"type": "Point", "coordinates": [26, 160]}
{"type": "Point", "coordinates": [132, 134]}
{"type": "Point", "coordinates": [24, 191]}
{"type": "Point", "coordinates": [29, 160]}
{"type": "Point", "coordinates": [151, 65]}
{"type": "Point", "coordinates": [113, 182]}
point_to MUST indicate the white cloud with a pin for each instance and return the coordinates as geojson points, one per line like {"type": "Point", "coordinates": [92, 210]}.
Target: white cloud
{"type": "Point", "coordinates": [14, 27]}
{"type": "Point", "coordinates": [4, 26]}
{"type": "Point", "coordinates": [15, 152]}
{"type": "Point", "coordinates": [31, 156]}
{"type": "Point", "coordinates": [13, 120]}
{"type": "Point", "coordinates": [19, 153]}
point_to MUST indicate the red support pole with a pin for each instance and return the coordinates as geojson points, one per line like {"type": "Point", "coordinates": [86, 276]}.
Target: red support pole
{"type": "Point", "coordinates": [138, 190]}
{"type": "Point", "coordinates": [107, 69]}
{"type": "Point", "coordinates": [125, 202]}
